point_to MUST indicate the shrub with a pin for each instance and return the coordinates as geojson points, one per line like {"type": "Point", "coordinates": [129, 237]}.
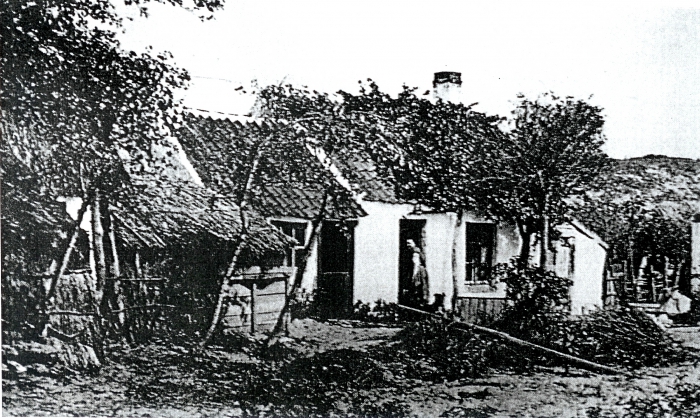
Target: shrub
{"type": "Point", "coordinates": [312, 386]}
{"type": "Point", "coordinates": [624, 336]}
{"type": "Point", "coordinates": [303, 305]}
{"type": "Point", "coordinates": [539, 302]}
{"type": "Point", "coordinates": [434, 352]}
{"type": "Point", "coordinates": [540, 314]}
{"type": "Point", "coordinates": [381, 312]}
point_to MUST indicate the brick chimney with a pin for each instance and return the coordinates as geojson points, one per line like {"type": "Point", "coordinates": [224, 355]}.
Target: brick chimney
{"type": "Point", "coordinates": [447, 85]}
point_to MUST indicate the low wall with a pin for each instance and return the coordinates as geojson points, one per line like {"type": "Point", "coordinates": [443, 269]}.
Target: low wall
{"type": "Point", "coordinates": [478, 309]}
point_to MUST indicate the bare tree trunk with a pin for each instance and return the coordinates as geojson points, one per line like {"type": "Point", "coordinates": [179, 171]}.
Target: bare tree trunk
{"type": "Point", "coordinates": [455, 262]}
{"type": "Point", "coordinates": [98, 235]}
{"type": "Point", "coordinates": [299, 274]}
{"type": "Point", "coordinates": [113, 244]}
{"type": "Point", "coordinates": [525, 237]}
{"type": "Point", "coordinates": [101, 272]}
{"type": "Point", "coordinates": [242, 242]}
{"type": "Point", "coordinates": [53, 285]}
{"type": "Point", "coordinates": [544, 244]}
{"type": "Point", "coordinates": [137, 265]}
{"type": "Point", "coordinates": [223, 291]}
{"type": "Point", "coordinates": [631, 275]}
{"type": "Point", "coordinates": [544, 241]}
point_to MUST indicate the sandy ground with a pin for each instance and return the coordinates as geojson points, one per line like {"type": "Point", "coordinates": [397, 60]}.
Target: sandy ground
{"type": "Point", "coordinates": [118, 390]}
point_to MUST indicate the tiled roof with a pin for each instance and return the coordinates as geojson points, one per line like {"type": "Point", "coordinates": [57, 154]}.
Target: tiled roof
{"type": "Point", "coordinates": [365, 178]}
{"type": "Point", "coordinates": [215, 148]}
{"type": "Point", "coordinates": [284, 200]}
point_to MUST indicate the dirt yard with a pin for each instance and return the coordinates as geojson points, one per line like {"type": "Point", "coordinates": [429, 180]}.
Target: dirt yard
{"type": "Point", "coordinates": [166, 380]}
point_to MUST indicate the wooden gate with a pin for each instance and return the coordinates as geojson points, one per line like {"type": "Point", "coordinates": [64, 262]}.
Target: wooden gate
{"type": "Point", "coordinates": [256, 302]}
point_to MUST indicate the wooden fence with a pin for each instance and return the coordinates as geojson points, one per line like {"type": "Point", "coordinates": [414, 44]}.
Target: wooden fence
{"type": "Point", "coordinates": [257, 300]}
{"type": "Point", "coordinates": [136, 308]}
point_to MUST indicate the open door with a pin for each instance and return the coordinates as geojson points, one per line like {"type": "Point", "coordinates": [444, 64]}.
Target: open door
{"type": "Point", "coordinates": [335, 267]}
{"type": "Point", "coordinates": [409, 229]}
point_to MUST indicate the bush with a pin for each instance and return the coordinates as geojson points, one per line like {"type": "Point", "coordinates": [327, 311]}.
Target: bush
{"type": "Point", "coordinates": [434, 352]}
{"type": "Point", "coordinates": [381, 312]}
{"type": "Point", "coordinates": [356, 382]}
{"type": "Point", "coordinates": [312, 386]}
{"type": "Point", "coordinates": [534, 290]}
{"type": "Point", "coordinates": [539, 303]}
{"type": "Point", "coordinates": [303, 305]}
{"type": "Point", "coordinates": [624, 336]}
{"type": "Point", "coordinates": [540, 314]}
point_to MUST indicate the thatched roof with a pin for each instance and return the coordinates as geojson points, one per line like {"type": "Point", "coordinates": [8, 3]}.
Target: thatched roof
{"type": "Point", "coordinates": [27, 207]}
{"type": "Point", "coordinates": [168, 214]}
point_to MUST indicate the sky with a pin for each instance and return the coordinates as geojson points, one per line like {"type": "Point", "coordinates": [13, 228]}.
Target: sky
{"type": "Point", "coordinates": [638, 61]}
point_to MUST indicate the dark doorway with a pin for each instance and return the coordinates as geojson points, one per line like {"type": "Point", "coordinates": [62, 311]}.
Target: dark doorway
{"type": "Point", "coordinates": [335, 267]}
{"type": "Point", "coordinates": [481, 239]}
{"type": "Point", "coordinates": [408, 229]}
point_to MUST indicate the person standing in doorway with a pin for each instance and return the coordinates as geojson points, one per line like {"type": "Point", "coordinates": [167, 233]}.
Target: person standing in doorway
{"type": "Point", "coordinates": [421, 293]}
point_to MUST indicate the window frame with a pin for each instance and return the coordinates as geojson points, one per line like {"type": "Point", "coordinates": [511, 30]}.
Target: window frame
{"type": "Point", "coordinates": [492, 247]}
{"type": "Point", "coordinates": [291, 228]}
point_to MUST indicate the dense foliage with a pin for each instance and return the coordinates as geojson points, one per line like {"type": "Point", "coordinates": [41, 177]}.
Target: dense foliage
{"type": "Point", "coordinates": [448, 156]}
{"type": "Point", "coordinates": [540, 313]}
{"type": "Point", "coordinates": [431, 149]}
{"type": "Point", "coordinates": [552, 153]}
{"type": "Point", "coordinates": [75, 107]}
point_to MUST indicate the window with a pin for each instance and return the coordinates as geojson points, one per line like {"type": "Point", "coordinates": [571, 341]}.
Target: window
{"type": "Point", "coordinates": [296, 230]}
{"type": "Point", "coordinates": [481, 239]}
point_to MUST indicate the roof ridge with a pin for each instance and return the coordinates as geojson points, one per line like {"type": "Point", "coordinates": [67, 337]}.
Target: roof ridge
{"type": "Point", "coordinates": [234, 118]}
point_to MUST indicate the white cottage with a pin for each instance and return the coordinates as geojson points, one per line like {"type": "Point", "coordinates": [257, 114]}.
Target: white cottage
{"type": "Point", "coordinates": [362, 255]}
{"type": "Point", "coordinates": [382, 266]}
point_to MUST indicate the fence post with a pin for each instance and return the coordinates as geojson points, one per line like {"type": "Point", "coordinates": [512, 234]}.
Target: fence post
{"type": "Point", "coordinates": [252, 308]}
{"type": "Point", "coordinates": [286, 295]}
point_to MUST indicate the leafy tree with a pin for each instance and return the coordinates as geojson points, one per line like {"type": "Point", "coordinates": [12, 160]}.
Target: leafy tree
{"type": "Point", "coordinates": [552, 153]}
{"type": "Point", "coordinates": [74, 101]}
{"type": "Point", "coordinates": [429, 149]}
{"type": "Point", "coordinates": [432, 152]}
{"type": "Point", "coordinates": [424, 150]}
{"type": "Point", "coordinates": [449, 157]}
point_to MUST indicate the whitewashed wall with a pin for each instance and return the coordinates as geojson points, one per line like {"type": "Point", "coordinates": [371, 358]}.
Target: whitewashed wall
{"type": "Point", "coordinates": [376, 274]}
{"type": "Point", "coordinates": [589, 254]}
{"type": "Point", "coordinates": [377, 245]}
{"type": "Point", "coordinates": [376, 266]}
{"type": "Point", "coordinates": [589, 266]}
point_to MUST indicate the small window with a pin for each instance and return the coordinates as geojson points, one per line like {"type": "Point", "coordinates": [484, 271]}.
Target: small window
{"type": "Point", "coordinates": [481, 240]}
{"type": "Point", "coordinates": [296, 230]}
